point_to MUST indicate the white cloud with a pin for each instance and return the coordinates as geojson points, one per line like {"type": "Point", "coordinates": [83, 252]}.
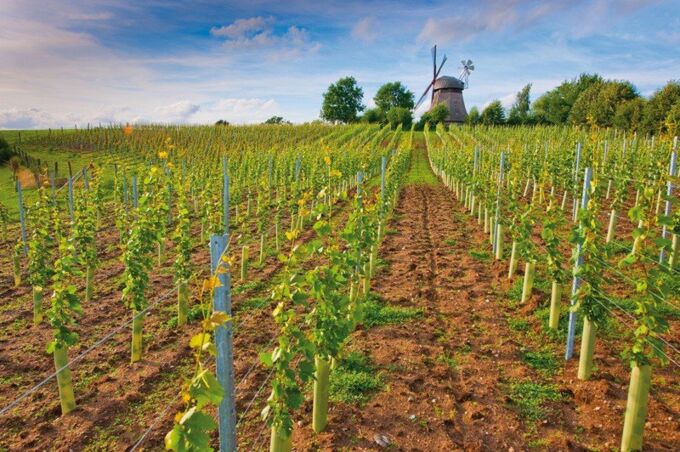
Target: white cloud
{"type": "Point", "coordinates": [238, 110]}
{"type": "Point", "coordinates": [178, 112]}
{"type": "Point", "coordinates": [365, 30]}
{"type": "Point", "coordinates": [26, 119]}
{"type": "Point", "coordinates": [260, 32]}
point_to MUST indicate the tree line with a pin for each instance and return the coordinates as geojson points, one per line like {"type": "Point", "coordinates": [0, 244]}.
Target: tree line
{"type": "Point", "coordinates": [587, 100]}
{"type": "Point", "coordinates": [590, 100]}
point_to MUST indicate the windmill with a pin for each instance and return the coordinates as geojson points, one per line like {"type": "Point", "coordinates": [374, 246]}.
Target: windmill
{"type": "Point", "coordinates": [448, 90]}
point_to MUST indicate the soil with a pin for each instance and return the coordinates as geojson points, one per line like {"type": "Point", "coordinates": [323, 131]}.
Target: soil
{"type": "Point", "coordinates": [449, 375]}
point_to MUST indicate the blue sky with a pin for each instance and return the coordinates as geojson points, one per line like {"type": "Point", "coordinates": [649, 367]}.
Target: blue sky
{"type": "Point", "coordinates": [78, 61]}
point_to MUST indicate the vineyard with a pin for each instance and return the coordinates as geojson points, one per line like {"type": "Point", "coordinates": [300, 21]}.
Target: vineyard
{"type": "Point", "coordinates": [354, 287]}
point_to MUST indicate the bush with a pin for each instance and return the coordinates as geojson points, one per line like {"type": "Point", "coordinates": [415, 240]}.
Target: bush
{"type": "Point", "coordinates": [6, 151]}
{"type": "Point", "coordinates": [373, 116]}
{"type": "Point", "coordinates": [400, 115]}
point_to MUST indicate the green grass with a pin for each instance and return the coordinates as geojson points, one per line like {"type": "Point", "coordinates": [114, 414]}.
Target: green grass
{"type": "Point", "coordinates": [354, 380]}
{"type": "Point", "coordinates": [481, 255]}
{"type": "Point", "coordinates": [448, 360]}
{"type": "Point", "coordinates": [544, 362]}
{"type": "Point", "coordinates": [248, 286]}
{"type": "Point", "coordinates": [516, 324]}
{"type": "Point", "coordinates": [420, 172]}
{"type": "Point", "coordinates": [377, 312]}
{"type": "Point", "coordinates": [531, 398]}
{"type": "Point", "coordinates": [255, 303]}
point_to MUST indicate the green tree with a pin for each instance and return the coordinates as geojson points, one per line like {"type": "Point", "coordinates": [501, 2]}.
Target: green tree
{"type": "Point", "coordinates": [342, 101]}
{"type": "Point", "coordinates": [659, 105]}
{"type": "Point", "coordinates": [473, 116]}
{"type": "Point", "coordinates": [436, 115]}
{"type": "Point", "coordinates": [392, 95]}
{"type": "Point", "coordinates": [554, 106]}
{"type": "Point", "coordinates": [276, 120]}
{"type": "Point", "coordinates": [672, 122]}
{"type": "Point", "coordinates": [400, 115]}
{"type": "Point", "coordinates": [373, 115]}
{"type": "Point", "coordinates": [598, 103]}
{"type": "Point", "coordinates": [520, 112]}
{"type": "Point", "coordinates": [493, 114]}
{"type": "Point", "coordinates": [629, 114]}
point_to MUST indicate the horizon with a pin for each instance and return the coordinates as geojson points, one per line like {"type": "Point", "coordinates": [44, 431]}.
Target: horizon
{"type": "Point", "coordinates": [114, 62]}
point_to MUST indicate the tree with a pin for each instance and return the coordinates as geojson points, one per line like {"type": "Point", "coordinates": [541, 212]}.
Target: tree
{"type": "Point", "coordinates": [392, 95]}
{"type": "Point", "coordinates": [629, 114]}
{"type": "Point", "coordinates": [276, 120]}
{"type": "Point", "coordinates": [472, 117]}
{"type": "Point", "coordinates": [597, 104]}
{"type": "Point", "coordinates": [222, 122]}
{"type": "Point", "coordinates": [520, 112]}
{"type": "Point", "coordinates": [433, 117]}
{"type": "Point", "coordinates": [400, 115]}
{"type": "Point", "coordinates": [493, 114]}
{"type": "Point", "coordinates": [342, 101]}
{"type": "Point", "coordinates": [554, 106]}
{"type": "Point", "coordinates": [659, 105]}
{"type": "Point", "coordinates": [672, 121]}
{"type": "Point", "coordinates": [373, 115]}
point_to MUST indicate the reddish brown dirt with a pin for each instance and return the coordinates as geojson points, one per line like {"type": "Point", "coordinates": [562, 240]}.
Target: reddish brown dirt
{"type": "Point", "coordinates": [430, 406]}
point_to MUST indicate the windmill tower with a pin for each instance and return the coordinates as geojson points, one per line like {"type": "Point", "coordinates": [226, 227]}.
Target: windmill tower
{"type": "Point", "coordinates": [448, 90]}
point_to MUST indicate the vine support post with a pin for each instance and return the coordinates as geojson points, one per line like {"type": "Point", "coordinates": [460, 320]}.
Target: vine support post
{"type": "Point", "coordinates": [135, 192]}
{"type": "Point", "coordinates": [383, 167]}
{"type": "Point", "coordinates": [669, 192]}
{"type": "Point", "coordinates": [224, 346]}
{"type": "Point", "coordinates": [571, 332]}
{"type": "Point", "coordinates": [497, 236]}
{"type": "Point", "coordinates": [225, 195]}
{"type": "Point", "coordinates": [22, 217]}
{"type": "Point", "coordinates": [70, 197]}
{"type": "Point", "coordinates": [576, 168]}
{"type": "Point", "coordinates": [636, 407]}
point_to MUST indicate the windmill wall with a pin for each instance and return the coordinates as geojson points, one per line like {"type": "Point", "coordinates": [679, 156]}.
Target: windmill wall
{"type": "Point", "coordinates": [453, 99]}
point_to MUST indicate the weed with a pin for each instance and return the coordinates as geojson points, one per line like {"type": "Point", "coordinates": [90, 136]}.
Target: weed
{"type": "Point", "coordinates": [377, 312]}
{"type": "Point", "coordinates": [530, 398]}
{"type": "Point", "coordinates": [354, 379]}
{"type": "Point", "coordinates": [543, 362]}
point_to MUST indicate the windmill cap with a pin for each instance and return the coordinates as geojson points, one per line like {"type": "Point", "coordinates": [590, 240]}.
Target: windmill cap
{"type": "Point", "coordinates": [446, 82]}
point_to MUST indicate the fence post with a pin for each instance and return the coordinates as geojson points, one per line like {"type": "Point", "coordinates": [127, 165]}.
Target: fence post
{"type": "Point", "coordinates": [22, 216]}
{"type": "Point", "coordinates": [577, 281]}
{"type": "Point", "coordinates": [669, 191]}
{"type": "Point", "coordinates": [224, 346]}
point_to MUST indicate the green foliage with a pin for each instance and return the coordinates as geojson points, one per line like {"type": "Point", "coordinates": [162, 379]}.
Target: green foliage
{"type": "Point", "coordinates": [520, 112]}
{"type": "Point", "coordinates": [629, 114]}
{"type": "Point", "coordinates": [276, 120]}
{"type": "Point", "coordinates": [44, 220]}
{"type": "Point", "coordinates": [473, 117]}
{"type": "Point", "coordinates": [555, 106]}
{"type": "Point", "coordinates": [65, 301]}
{"type": "Point", "coordinates": [400, 116]}
{"type": "Point", "coordinates": [393, 95]}
{"type": "Point", "coordinates": [182, 238]}
{"type": "Point", "coordinates": [354, 379]}
{"type": "Point", "coordinates": [659, 106]}
{"type": "Point", "coordinates": [493, 114]}
{"type": "Point", "coordinates": [376, 313]}
{"type": "Point", "coordinates": [531, 398]}
{"type": "Point", "coordinates": [433, 117]}
{"type": "Point", "coordinates": [6, 151]}
{"type": "Point", "coordinates": [597, 104]}
{"type": "Point", "coordinates": [374, 116]}
{"type": "Point", "coordinates": [544, 362]}
{"type": "Point", "coordinates": [342, 102]}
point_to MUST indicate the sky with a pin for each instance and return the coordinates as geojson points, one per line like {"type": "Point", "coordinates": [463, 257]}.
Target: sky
{"type": "Point", "coordinates": [74, 62]}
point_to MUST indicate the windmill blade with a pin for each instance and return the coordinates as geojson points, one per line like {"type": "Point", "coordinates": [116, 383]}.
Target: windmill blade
{"type": "Point", "coordinates": [471, 67]}
{"type": "Point", "coordinates": [469, 63]}
{"type": "Point", "coordinates": [422, 98]}
{"type": "Point", "coordinates": [434, 61]}
{"type": "Point", "coordinates": [440, 67]}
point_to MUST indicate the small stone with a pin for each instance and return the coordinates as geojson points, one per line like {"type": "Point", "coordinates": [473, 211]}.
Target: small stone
{"type": "Point", "coordinates": [597, 408]}
{"type": "Point", "coordinates": [434, 400]}
{"type": "Point", "coordinates": [412, 417]}
{"type": "Point", "coordinates": [381, 440]}
{"type": "Point", "coordinates": [299, 423]}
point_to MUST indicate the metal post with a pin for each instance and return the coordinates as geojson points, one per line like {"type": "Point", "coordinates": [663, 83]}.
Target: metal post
{"type": "Point", "coordinates": [135, 192]}
{"type": "Point", "coordinates": [224, 346]}
{"type": "Point", "coordinates": [22, 216]}
{"type": "Point", "coordinates": [576, 168]}
{"type": "Point", "coordinates": [86, 181]}
{"type": "Point", "coordinates": [577, 281]}
{"type": "Point", "coordinates": [225, 195]}
{"type": "Point", "coordinates": [360, 178]}
{"type": "Point", "coordinates": [70, 197]}
{"type": "Point", "coordinates": [669, 192]}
